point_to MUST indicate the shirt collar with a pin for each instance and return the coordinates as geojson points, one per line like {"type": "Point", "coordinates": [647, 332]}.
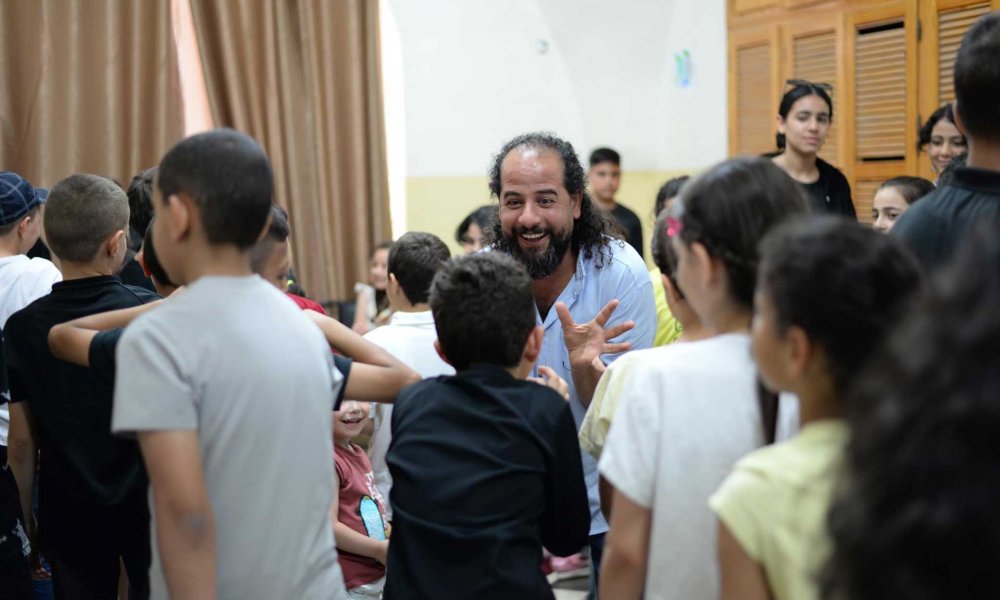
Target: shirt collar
{"type": "Point", "coordinates": [571, 293]}
{"type": "Point", "coordinates": [85, 282]}
{"type": "Point", "coordinates": [424, 317]}
{"type": "Point", "coordinates": [976, 179]}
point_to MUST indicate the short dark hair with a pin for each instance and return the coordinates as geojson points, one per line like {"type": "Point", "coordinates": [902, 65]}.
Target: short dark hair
{"type": "Point", "coordinates": [943, 113]}
{"type": "Point", "coordinates": [910, 188]}
{"type": "Point", "coordinates": [590, 231]}
{"type": "Point", "coordinates": [140, 202]}
{"type": "Point", "coordinates": [414, 259]}
{"type": "Point", "coordinates": [670, 189]}
{"type": "Point", "coordinates": [151, 260]}
{"type": "Point", "coordinates": [483, 217]}
{"type": "Point", "coordinates": [844, 284]}
{"type": "Point", "coordinates": [605, 155]}
{"type": "Point", "coordinates": [81, 212]}
{"type": "Point", "coordinates": [792, 96]}
{"type": "Point", "coordinates": [730, 208]}
{"type": "Point", "coordinates": [977, 78]}
{"type": "Point", "coordinates": [227, 174]}
{"type": "Point", "coordinates": [278, 231]}
{"type": "Point", "coordinates": [916, 507]}
{"type": "Point", "coordinates": [483, 309]}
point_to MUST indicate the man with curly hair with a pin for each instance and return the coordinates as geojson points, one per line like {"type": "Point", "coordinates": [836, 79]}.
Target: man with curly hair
{"type": "Point", "coordinates": [598, 286]}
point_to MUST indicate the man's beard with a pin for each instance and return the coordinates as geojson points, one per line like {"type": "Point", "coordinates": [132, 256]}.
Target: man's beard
{"type": "Point", "coordinates": [539, 264]}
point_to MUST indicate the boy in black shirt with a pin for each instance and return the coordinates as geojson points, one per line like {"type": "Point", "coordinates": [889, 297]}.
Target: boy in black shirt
{"type": "Point", "coordinates": [935, 225]}
{"type": "Point", "coordinates": [92, 486]}
{"type": "Point", "coordinates": [486, 466]}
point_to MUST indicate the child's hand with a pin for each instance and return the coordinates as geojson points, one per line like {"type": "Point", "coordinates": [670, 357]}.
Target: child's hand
{"type": "Point", "coordinates": [550, 379]}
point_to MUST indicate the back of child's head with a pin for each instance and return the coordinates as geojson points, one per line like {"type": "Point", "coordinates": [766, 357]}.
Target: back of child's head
{"type": "Point", "coordinates": [140, 200]}
{"type": "Point", "coordinates": [152, 262]}
{"type": "Point", "coordinates": [668, 191]}
{"type": "Point", "coordinates": [483, 310]}
{"type": "Point", "coordinates": [843, 284]}
{"type": "Point", "coordinates": [917, 509]}
{"type": "Point", "coordinates": [414, 259]}
{"type": "Point", "coordinates": [81, 212]}
{"type": "Point", "coordinates": [278, 231]}
{"type": "Point", "coordinates": [228, 176]}
{"type": "Point", "coordinates": [910, 188]}
{"type": "Point", "coordinates": [664, 255]}
{"type": "Point", "coordinates": [729, 208]}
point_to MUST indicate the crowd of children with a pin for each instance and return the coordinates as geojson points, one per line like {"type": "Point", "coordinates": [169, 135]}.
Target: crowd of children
{"type": "Point", "coordinates": [791, 405]}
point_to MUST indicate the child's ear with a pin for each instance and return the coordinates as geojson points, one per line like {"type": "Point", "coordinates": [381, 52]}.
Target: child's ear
{"type": "Point", "coordinates": [181, 207]}
{"type": "Point", "coordinates": [116, 241]}
{"type": "Point", "coordinates": [533, 345]}
{"type": "Point", "coordinates": [670, 289]}
{"type": "Point", "coordinates": [267, 226]}
{"type": "Point", "coordinates": [140, 257]}
{"type": "Point", "coordinates": [800, 352]}
{"type": "Point", "coordinates": [437, 348]}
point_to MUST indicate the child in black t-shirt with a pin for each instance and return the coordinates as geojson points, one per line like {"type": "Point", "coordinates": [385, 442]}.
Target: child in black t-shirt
{"type": "Point", "coordinates": [92, 505]}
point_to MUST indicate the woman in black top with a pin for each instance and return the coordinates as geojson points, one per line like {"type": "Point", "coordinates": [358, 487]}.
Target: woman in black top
{"type": "Point", "coordinates": [803, 123]}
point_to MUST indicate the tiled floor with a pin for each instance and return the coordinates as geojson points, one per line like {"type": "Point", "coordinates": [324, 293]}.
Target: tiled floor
{"type": "Point", "coordinates": [572, 589]}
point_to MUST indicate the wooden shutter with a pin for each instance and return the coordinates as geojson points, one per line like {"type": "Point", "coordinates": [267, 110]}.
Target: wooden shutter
{"type": "Point", "coordinates": [754, 93]}
{"type": "Point", "coordinates": [864, 194]}
{"type": "Point", "coordinates": [952, 25]}
{"type": "Point", "coordinates": [744, 6]}
{"type": "Point", "coordinates": [880, 92]}
{"type": "Point", "coordinates": [814, 58]}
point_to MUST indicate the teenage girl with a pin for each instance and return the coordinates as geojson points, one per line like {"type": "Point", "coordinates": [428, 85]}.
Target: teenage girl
{"type": "Point", "coordinates": [804, 118]}
{"type": "Point", "coordinates": [828, 293]}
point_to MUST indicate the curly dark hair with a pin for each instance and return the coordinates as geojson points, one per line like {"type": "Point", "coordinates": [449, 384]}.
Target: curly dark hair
{"type": "Point", "coordinates": [591, 232]}
{"type": "Point", "coordinates": [916, 513]}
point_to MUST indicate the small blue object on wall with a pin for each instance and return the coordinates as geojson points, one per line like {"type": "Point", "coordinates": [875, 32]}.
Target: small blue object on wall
{"type": "Point", "coordinates": [682, 60]}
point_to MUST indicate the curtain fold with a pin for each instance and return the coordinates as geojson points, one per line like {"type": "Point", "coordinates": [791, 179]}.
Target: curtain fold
{"type": "Point", "coordinates": [302, 77]}
{"type": "Point", "coordinates": [86, 86]}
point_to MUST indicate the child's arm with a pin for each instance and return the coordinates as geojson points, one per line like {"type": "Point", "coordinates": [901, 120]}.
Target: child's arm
{"type": "Point", "coordinates": [351, 541]}
{"type": "Point", "coordinates": [70, 341]}
{"type": "Point", "coordinates": [22, 454]}
{"type": "Point", "coordinates": [376, 375]}
{"type": "Point", "coordinates": [185, 523]}
{"type": "Point", "coordinates": [626, 550]}
{"type": "Point", "coordinates": [742, 577]}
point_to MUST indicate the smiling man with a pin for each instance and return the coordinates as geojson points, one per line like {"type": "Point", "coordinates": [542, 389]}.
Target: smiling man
{"type": "Point", "coordinates": [549, 223]}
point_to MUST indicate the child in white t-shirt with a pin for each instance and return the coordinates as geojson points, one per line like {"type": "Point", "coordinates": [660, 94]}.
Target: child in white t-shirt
{"type": "Point", "coordinates": [690, 414]}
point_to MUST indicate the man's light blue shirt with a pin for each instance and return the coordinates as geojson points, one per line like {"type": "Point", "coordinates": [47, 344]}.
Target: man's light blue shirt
{"type": "Point", "coordinates": [622, 276]}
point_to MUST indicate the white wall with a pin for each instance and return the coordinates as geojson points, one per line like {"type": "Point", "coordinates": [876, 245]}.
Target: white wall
{"type": "Point", "coordinates": [473, 77]}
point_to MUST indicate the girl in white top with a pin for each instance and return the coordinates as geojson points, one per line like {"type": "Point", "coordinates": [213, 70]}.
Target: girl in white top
{"type": "Point", "coordinates": [692, 410]}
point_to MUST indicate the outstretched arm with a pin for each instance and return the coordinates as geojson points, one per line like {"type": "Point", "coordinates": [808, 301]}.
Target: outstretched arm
{"type": "Point", "coordinates": [70, 341]}
{"type": "Point", "coordinates": [376, 375]}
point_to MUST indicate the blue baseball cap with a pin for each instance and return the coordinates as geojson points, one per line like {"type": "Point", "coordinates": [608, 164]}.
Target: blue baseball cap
{"type": "Point", "coordinates": [17, 197]}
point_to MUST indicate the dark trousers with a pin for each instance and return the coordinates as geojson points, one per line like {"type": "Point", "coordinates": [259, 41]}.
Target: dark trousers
{"type": "Point", "coordinates": [15, 574]}
{"type": "Point", "coordinates": [596, 550]}
{"type": "Point", "coordinates": [84, 576]}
